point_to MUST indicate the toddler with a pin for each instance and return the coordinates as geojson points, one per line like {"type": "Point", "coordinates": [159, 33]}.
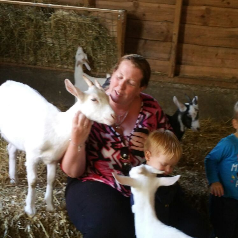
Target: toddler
{"type": "Point", "coordinates": [222, 173]}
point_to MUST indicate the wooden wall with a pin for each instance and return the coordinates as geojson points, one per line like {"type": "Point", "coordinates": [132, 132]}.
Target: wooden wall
{"type": "Point", "coordinates": [206, 52]}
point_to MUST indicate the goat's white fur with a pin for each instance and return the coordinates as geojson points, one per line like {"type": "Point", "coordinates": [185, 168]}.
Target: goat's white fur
{"type": "Point", "coordinates": [80, 60]}
{"type": "Point", "coordinates": [31, 124]}
{"type": "Point", "coordinates": [144, 183]}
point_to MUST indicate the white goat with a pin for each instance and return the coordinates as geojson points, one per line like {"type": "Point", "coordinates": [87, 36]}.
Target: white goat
{"type": "Point", "coordinates": [144, 183]}
{"type": "Point", "coordinates": [80, 60]}
{"type": "Point", "coordinates": [31, 124]}
{"type": "Point", "coordinates": [187, 116]}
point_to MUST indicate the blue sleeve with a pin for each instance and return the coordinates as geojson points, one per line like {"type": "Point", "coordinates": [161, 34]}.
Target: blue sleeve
{"type": "Point", "coordinates": [214, 158]}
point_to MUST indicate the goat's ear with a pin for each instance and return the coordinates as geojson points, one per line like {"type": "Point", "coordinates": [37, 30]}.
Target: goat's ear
{"type": "Point", "coordinates": [125, 180]}
{"type": "Point", "coordinates": [88, 81]}
{"type": "Point", "coordinates": [180, 106]}
{"type": "Point", "coordinates": [153, 170]}
{"type": "Point", "coordinates": [98, 85]}
{"type": "Point", "coordinates": [167, 181]}
{"type": "Point", "coordinates": [195, 100]}
{"type": "Point", "coordinates": [73, 90]}
{"type": "Point", "coordinates": [86, 63]}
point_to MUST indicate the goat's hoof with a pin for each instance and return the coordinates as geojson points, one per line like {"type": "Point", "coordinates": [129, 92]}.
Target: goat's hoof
{"type": "Point", "coordinates": [30, 211]}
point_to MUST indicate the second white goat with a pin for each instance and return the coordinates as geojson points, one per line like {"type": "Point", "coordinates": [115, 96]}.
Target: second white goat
{"type": "Point", "coordinates": [81, 59]}
{"type": "Point", "coordinates": [144, 183]}
{"type": "Point", "coordinates": [31, 124]}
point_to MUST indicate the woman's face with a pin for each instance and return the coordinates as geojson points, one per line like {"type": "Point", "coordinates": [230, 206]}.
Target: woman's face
{"type": "Point", "coordinates": [125, 83]}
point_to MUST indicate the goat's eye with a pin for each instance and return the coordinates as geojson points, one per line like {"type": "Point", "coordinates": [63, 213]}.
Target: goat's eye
{"type": "Point", "coordinates": [94, 100]}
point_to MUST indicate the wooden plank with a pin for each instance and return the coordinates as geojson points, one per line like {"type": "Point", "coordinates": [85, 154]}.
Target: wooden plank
{"type": "Point", "coordinates": [69, 2]}
{"type": "Point", "coordinates": [149, 30]}
{"type": "Point", "coordinates": [89, 3]}
{"type": "Point", "coordinates": [209, 82]}
{"type": "Point", "coordinates": [149, 49]}
{"type": "Point", "coordinates": [210, 16]}
{"type": "Point", "coordinates": [141, 10]}
{"type": "Point", "coordinates": [170, 2]}
{"type": "Point", "coordinates": [212, 3]}
{"type": "Point", "coordinates": [212, 72]}
{"type": "Point", "coordinates": [159, 66]}
{"type": "Point", "coordinates": [209, 36]}
{"type": "Point", "coordinates": [189, 34]}
{"type": "Point", "coordinates": [207, 56]}
{"type": "Point", "coordinates": [121, 29]}
{"type": "Point", "coordinates": [173, 55]}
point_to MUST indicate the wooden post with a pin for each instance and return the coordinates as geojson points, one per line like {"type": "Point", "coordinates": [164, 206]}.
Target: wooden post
{"type": "Point", "coordinates": [173, 56]}
{"type": "Point", "coordinates": [89, 3]}
{"type": "Point", "coordinates": [121, 29]}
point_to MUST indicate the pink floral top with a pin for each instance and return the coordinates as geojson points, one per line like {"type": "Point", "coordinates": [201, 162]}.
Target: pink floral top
{"type": "Point", "coordinates": [104, 145]}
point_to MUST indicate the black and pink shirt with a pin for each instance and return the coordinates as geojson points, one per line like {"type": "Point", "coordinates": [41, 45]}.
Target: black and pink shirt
{"type": "Point", "coordinates": [104, 145]}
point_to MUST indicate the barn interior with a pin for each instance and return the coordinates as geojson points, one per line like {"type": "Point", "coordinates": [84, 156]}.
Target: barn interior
{"type": "Point", "coordinates": [191, 46]}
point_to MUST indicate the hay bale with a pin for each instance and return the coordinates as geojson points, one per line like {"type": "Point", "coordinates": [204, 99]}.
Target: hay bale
{"type": "Point", "coordinates": [49, 37]}
{"type": "Point", "coordinates": [15, 223]}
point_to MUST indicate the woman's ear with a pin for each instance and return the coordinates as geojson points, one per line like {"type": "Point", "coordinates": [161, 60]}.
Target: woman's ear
{"type": "Point", "coordinates": [147, 155]}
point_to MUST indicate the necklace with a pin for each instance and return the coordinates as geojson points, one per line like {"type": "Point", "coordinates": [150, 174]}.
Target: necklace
{"type": "Point", "coordinates": [120, 120]}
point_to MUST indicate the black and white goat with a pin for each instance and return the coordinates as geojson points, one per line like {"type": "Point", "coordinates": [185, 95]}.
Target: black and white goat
{"type": "Point", "coordinates": [187, 116]}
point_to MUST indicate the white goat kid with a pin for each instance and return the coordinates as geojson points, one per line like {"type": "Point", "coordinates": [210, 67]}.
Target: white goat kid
{"type": "Point", "coordinates": [82, 59]}
{"type": "Point", "coordinates": [31, 124]}
{"type": "Point", "coordinates": [144, 183]}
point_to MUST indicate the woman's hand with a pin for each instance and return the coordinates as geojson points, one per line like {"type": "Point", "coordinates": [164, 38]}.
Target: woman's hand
{"type": "Point", "coordinates": [138, 139]}
{"type": "Point", "coordinates": [217, 189]}
{"type": "Point", "coordinates": [81, 127]}
{"type": "Point", "coordinates": [73, 162]}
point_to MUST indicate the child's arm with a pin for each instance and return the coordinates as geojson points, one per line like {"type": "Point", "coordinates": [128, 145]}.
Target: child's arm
{"type": "Point", "coordinates": [217, 189]}
{"type": "Point", "coordinates": [213, 161]}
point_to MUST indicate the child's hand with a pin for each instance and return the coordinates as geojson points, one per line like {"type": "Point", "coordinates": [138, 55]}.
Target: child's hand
{"type": "Point", "coordinates": [217, 189]}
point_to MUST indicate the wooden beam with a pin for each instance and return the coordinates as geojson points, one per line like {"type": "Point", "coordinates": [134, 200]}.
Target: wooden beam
{"type": "Point", "coordinates": [173, 55]}
{"type": "Point", "coordinates": [121, 29]}
{"type": "Point", "coordinates": [89, 3]}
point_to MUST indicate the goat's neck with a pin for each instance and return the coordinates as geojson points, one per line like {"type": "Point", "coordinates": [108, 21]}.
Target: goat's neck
{"type": "Point", "coordinates": [144, 206]}
{"type": "Point", "coordinates": [65, 120]}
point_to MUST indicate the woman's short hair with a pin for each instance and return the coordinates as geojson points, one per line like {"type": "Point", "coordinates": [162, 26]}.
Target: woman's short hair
{"type": "Point", "coordinates": [139, 62]}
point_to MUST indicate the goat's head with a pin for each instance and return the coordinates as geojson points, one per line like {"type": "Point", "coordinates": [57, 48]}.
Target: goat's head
{"type": "Point", "coordinates": [143, 177]}
{"type": "Point", "coordinates": [189, 113]}
{"type": "Point", "coordinates": [93, 103]}
{"type": "Point", "coordinates": [81, 58]}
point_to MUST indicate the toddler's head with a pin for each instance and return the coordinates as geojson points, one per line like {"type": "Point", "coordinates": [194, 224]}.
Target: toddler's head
{"type": "Point", "coordinates": [235, 118]}
{"type": "Point", "coordinates": [162, 150]}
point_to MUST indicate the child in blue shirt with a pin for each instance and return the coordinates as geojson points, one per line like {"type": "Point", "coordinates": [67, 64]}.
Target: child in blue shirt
{"type": "Point", "coordinates": [221, 166]}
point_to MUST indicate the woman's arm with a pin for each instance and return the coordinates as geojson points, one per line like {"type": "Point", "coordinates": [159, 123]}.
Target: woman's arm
{"type": "Point", "coordinates": [74, 160]}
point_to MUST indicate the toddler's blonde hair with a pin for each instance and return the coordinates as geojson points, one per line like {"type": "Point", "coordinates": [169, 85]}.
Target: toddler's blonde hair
{"type": "Point", "coordinates": [164, 142]}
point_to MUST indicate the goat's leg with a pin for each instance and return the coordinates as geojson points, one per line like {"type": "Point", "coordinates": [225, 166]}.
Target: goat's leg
{"type": "Point", "coordinates": [32, 179]}
{"type": "Point", "coordinates": [12, 153]}
{"type": "Point", "coordinates": [51, 172]}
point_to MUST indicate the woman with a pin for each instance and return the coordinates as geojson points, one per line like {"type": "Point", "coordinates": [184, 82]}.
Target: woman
{"type": "Point", "coordinates": [96, 204]}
